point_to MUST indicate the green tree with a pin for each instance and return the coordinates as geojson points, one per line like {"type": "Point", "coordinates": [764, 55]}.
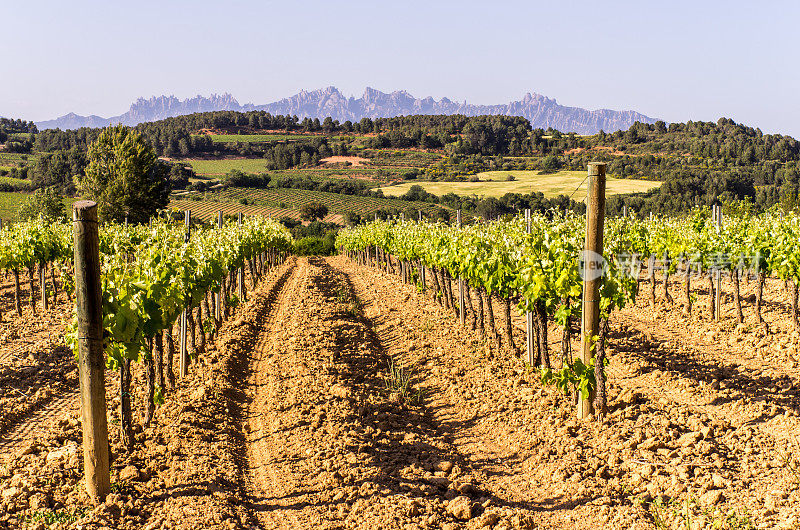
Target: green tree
{"type": "Point", "coordinates": [550, 164]}
{"type": "Point", "coordinates": [124, 176]}
{"type": "Point", "coordinates": [46, 202]}
{"type": "Point", "coordinates": [312, 211]}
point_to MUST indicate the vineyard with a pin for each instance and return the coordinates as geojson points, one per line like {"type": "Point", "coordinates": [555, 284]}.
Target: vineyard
{"type": "Point", "coordinates": [278, 202]}
{"type": "Point", "coordinates": [368, 390]}
{"type": "Point", "coordinates": [209, 210]}
{"type": "Point", "coordinates": [215, 167]}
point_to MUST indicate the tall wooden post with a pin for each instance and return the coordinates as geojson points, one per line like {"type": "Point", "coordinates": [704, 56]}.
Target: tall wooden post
{"type": "Point", "coordinates": [43, 284]}
{"type": "Point", "coordinates": [241, 271]}
{"type": "Point", "coordinates": [377, 253]}
{"type": "Point", "coordinates": [90, 349]}
{"type": "Point", "coordinates": [592, 270]}
{"type": "Point", "coordinates": [184, 351]}
{"type": "Point", "coordinates": [461, 312]}
{"type": "Point", "coordinates": [718, 272]}
{"type": "Point", "coordinates": [218, 294]}
{"type": "Point", "coordinates": [529, 314]}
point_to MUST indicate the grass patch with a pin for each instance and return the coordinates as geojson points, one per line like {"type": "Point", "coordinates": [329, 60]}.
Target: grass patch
{"type": "Point", "coordinates": [50, 517]}
{"type": "Point", "coordinates": [399, 383]}
{"type": "Point", "coordinates": [496, 184]}
{"type": "Point", "coordinates": [223, 166]}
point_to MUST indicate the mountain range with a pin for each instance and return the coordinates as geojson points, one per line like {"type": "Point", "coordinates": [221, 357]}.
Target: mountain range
{"type": "Point", "coordinates": [540, 110]}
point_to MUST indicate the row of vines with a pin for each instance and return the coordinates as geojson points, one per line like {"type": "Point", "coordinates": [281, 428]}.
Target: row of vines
{"type": "Point", "coordinates": [539, 270]}
{"type": "Point", "coordinates": [150, 276]}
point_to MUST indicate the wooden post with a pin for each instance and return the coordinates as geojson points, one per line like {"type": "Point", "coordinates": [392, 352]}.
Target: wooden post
{"type": "Point", "coordinates": [91, 362]}
{"type": "Point", "coordinates": [43, 284]}
{"type": "Point", "coordinates": [718, 272]}
{"type": "Point", "coordinates": [592, 270]}
{"type": "Point", "coordinates": [529, 314]}
{"type": "Point", "coordinates": [218, 294]}
{"type": "Point", "coordinates": [241, 271]}
{"type": "Point", "coordinates": [461, 312]}
{"type": "Point", "coordinates": [377, 255]}
{"type": "Point", "coordinates": [625, 211]}
{"type": "Point", "coordinates": [184, 353]}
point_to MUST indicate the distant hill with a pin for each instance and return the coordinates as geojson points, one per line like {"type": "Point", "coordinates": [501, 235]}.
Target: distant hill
{"type": "Point", "coordinates": [542, 111]}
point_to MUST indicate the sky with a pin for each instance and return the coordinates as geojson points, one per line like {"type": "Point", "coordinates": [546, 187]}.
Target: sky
{"type": "Point", "coordinates": [676, 60]}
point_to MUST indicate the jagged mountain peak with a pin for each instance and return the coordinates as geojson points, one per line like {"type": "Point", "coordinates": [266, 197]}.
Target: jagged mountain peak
{"type": "Point", "coordinates": [542, 111]}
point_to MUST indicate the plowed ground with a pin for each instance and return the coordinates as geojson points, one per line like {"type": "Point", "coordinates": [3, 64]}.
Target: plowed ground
{"type": "Point", "coordinates": [292, 419]}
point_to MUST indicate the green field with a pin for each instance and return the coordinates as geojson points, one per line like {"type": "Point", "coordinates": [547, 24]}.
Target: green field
{"type": "Point", "coordinates": [223, 166]}
{"type": "Point", "coordinates": [494, 184]}
{"type": "Point", "coordinates": [11, 201]}
{"type": "Point", "coordinates": [9, 204]}
{"type": "Point", "coordinates": [16, 183]}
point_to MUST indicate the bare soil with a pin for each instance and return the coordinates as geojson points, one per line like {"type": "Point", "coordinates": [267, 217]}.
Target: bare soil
{"type": "Point", "coordinates": [292, 419]}
{"type": "Point", "coordinates": [355, 161]}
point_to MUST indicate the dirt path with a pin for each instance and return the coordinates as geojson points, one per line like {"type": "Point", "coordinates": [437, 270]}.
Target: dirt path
{"type": "Point", "coordinates": [328, 445]}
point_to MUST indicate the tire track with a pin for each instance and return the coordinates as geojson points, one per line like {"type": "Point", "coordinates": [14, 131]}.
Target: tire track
{"type": "Point", "coordinates": [38, 422]}
{"type": "Point", "coordinates": [261, 477]}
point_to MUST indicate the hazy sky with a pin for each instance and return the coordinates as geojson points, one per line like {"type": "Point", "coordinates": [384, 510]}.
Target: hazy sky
{"type": "Point", "coordinates": [674, 60]}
